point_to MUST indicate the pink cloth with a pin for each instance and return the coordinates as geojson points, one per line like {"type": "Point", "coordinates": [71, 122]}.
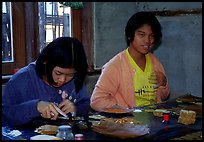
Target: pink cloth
{"type": "Point", "coordinates": [115, 84]}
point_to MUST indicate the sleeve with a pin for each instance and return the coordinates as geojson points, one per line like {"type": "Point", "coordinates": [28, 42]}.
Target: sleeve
{"type": "Point", "coordinates": [83, 102]}
{"type": "Point", "coordinates": [103, 95]}
{"type": "Point", "coordinates": [17, 107]}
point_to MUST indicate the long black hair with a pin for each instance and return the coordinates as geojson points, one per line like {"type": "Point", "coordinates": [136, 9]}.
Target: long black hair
{"type": "Point", "coordinates": [138, 20]}
{"type": "Point", "coordinates": [64, 52]}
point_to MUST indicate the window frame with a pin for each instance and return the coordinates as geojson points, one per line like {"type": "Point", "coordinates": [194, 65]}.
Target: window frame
{"type": "Point", "coordinates": [18, 39]}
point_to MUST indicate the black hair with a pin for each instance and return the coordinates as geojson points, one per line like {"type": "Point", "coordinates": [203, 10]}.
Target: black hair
{"type": "Point", "coordinates": [65, 52]}
{"type": "Point", "coordinates": [138, 20]}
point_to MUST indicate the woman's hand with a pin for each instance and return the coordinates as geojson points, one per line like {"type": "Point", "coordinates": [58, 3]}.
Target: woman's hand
{"type": "Point", "coordinates": [161, 79]}
{"type": "Point", "coordinates": [67, 106]}
{"type": "Point", "coordinates": [158, 78]}
{"type": "Point", "coordinates": [47, 110]}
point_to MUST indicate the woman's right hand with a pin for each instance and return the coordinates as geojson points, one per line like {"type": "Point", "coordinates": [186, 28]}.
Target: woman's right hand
{"type": "Point", "coordinates": [47, 110]}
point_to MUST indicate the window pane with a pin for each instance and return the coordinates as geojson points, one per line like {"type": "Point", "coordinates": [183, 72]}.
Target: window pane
{"type": "Point", "coordinates": [7, 38]}
{"type": "Point", "coordinates": [54, 22]}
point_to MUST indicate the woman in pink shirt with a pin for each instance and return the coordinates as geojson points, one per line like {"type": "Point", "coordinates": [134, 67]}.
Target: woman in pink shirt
{"type": "Point", "coordinates": [135, 76]}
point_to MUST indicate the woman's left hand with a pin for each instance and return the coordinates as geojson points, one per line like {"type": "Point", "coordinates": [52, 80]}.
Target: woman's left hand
{"type": "Point", "coordinates": [67, 106]}
{"type": "Point", "coordinates": [158, 79]}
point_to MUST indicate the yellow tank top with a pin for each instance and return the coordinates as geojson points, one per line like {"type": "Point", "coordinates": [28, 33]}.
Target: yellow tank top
{"type": "Point", "coordinates": [144, 91]}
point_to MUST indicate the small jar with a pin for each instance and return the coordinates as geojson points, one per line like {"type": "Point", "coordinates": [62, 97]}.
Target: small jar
{"type": "Point", "coordinates": [166, 117]}
{"type": "Point", "coordinates": [79, 137]}
{"type": "Point", "coordinates": [65, 132]}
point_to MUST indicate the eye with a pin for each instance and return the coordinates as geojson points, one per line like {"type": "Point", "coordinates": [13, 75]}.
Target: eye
{"type": "Point", "coordinates": [57, 73]}
{"type": "Point", "coordinates": [152, 36]}
{"type": "Point", "coordinates": [141, 34]}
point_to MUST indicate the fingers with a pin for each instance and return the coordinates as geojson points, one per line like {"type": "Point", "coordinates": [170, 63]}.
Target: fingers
{"type": "Point", "coordinates": [53, 112]}
{"type": "Point", "coordinates": [47, 110]}
{"type": "Point", "coordinates": [67, 106]}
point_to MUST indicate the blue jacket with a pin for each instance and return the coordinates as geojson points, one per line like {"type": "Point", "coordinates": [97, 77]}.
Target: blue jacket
{"type": "Point", "coordinates": [23, 91]}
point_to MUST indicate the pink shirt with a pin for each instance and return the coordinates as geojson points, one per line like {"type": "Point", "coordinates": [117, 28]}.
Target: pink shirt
{"type": "Point", "coordinates": [115, 84]}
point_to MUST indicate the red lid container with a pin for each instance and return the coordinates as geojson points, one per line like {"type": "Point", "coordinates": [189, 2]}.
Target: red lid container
{"type": "Point", "coordinates": [79, 137]}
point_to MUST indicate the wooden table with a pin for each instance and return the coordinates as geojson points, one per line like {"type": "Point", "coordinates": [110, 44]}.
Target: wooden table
{"type": "Point", "coordinates": [158, 130]}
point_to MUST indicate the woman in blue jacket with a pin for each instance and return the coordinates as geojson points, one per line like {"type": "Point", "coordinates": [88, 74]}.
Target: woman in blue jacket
{"type": "Point", "coordinates": [55, 78]}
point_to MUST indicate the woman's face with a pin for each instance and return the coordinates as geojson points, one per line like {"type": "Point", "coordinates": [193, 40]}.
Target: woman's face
{"type": "Point", "coordinates": [143, 39]}
{"type": "Point", "coordinates": [62, 75]}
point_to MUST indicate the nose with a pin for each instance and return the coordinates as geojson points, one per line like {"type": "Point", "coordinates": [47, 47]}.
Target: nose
{"type": "Point", "coordinates": [147, 39]}
{"type": "Point", "coordinates": [62, 78]}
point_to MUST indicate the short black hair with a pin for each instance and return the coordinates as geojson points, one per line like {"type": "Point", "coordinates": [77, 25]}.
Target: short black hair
{"type": "Point", "coordinates": [65, 52]}
{"type": "Point", "coordinates": [139, 19]}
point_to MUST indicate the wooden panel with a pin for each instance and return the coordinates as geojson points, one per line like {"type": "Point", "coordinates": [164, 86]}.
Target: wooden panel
{"type": "Point", "coordinates": [76, 24]}
{"type": "Point", "coordinates": [31, 28]}
{"type": "Point", "coordinates": [87, 33]}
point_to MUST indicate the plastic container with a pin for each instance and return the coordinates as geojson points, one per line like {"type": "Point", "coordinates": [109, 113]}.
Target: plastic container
{"type": "Point", "coordinates": [65, 132]}
{"type": "Point", "coordinates": [79, 137]}
{"type": "Point", "coordinates": [166, 117]}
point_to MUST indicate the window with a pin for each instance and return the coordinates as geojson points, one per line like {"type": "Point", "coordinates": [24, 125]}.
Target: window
{"type": "Point", "coordinates": [7, 38]}
{"type": "Point", "coordinates": [26, 41]}
{"type": "Point", "coordinates": [54, 21]}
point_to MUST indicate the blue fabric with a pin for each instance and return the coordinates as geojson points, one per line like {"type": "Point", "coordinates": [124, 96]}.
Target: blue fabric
{"type": "Point", "coordinates": [23, 91]}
